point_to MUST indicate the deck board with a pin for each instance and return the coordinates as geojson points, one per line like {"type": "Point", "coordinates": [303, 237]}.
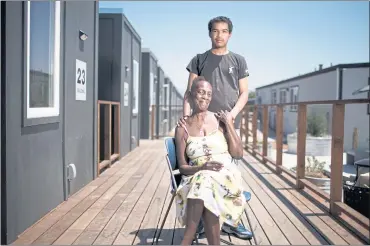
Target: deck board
{"type": "Point", "coordinates": [127, 202]}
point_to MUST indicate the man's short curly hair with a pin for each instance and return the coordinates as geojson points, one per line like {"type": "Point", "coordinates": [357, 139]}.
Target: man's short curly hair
{"type": "Point", "coordinates": [220, 19]}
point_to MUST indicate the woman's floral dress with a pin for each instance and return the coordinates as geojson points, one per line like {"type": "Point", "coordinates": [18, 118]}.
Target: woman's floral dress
{"type": "Point", "coordinates": [221, 191]}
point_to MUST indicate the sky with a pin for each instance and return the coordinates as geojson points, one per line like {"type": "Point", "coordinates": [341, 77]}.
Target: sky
{"type": "Point", "coordinates": [279, 40]}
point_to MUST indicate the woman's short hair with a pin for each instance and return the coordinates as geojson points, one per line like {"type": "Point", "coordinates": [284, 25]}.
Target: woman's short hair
{"type": "Point", "coordinates": [194, 85]}
{"type": "Point", "coordinates": [196, 81]}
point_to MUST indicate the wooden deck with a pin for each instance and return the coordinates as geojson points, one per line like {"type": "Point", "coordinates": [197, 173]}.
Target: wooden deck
{"type": "Point", "coordinates": [127, 202]}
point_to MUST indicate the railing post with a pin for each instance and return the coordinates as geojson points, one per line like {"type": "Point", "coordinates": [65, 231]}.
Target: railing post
{"type": "Point", "coordinates": [242, 126]}
{"type": "Point", "coordinates": [246, 126]}
{"type": "Point", "coordinates": [254, 127]}
{"type": "Point", "coordinates": [109, 129]}
{"type": "Point", "coordinates": [98, 144]}
{"type": "Point", "coordinates": [301, 144]}
{"type": "Point", "coordinates": [117, 127]}
{"type": "Point", "coordinates": [279, 137]}
{"type": "Point", "coordinates": [336, 174]}
{"type": "Point", "coordinates": [265, 132]}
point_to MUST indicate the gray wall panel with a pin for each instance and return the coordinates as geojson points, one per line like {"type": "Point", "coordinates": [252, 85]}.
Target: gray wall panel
{"type": "Point", "coordinates": [135, 120]}
{"type": "Point", "coordinates": [34, 168]}
{"type": "Point", "coordinates": [79, 115]}
{"type": "Point", "coordinates": [127, 78]}
{"type": "Point", "coordinates": [106, 46]}
{"type": "Point", "coordinates": [144, 96]}
{"type": "Point", "coordinates": [1, 79]}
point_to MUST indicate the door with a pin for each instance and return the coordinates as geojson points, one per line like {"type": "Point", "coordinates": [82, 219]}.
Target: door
{"type": "Point", "coordinates": [79, 87]}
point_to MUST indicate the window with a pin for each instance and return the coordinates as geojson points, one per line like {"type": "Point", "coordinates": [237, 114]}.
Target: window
{"type": "Point", "coordinates": [135, 98]}
{"type": "Point", "coordinates": [282, 95]}
{"type": "Point", "coordinates": [294, 98]}
{"type": "Point", "coordinates": [42, 59]}
{"type": "Point", "coordinates": [273, 97]}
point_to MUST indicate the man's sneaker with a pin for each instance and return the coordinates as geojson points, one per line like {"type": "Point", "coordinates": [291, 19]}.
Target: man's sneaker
{"type": "Point", "coordinates": [240, 231]}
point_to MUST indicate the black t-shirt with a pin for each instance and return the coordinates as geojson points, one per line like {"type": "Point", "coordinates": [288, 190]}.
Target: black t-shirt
{"type": "Point", "coordinates": [224, 73]}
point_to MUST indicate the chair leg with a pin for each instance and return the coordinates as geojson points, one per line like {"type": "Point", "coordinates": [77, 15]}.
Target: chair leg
{"type": "Point", "coordinates": [250, 226]}
{"type": "Point", "coordinates": [165, 217]}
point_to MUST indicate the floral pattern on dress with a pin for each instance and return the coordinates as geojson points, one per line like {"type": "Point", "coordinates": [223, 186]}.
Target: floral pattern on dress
{"type": "Point", "coordinates": [222, 191]}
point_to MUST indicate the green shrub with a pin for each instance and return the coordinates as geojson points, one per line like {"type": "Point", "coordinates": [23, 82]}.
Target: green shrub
{"type": "Point", "coordinates": [314, 168]}
{"type": "Point", "coordinates": [316, 125]}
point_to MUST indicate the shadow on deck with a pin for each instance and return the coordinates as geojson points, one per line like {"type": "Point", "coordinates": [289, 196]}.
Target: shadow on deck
{"type": "Point", "coordinates": [127, 202]}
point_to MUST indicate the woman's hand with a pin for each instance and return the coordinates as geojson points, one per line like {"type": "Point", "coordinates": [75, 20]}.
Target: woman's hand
{"type": "Point", "coordinates": [212, 166]}
{"type": "Point", "coordinates": [225, 117]}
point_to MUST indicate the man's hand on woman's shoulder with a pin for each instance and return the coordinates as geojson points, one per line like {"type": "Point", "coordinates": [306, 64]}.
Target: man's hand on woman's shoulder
{"type": "Point", "coordinates": [225, 117]}
{"type": "Point", "coordinates": [182, 121]}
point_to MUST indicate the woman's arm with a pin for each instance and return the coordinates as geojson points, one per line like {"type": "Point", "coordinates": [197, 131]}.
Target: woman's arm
{"type": "Point", "coordinates": [184, 166]}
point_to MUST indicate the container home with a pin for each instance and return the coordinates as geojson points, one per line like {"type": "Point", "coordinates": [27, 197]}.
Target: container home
{"type": "Point", "coordinates": [148, 94]}
{"type": "Point", "coordinates": [119, 82]}
{"type": "Point", "coordinates": [48, 109]}
{"type": "Point", "coordinates": [332, 83]}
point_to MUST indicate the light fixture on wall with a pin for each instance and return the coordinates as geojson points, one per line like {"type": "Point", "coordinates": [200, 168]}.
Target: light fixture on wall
{"type": "Point", "coordinates": [127, 69]}
{"type": "Point", "coordinates": [155, 79]}
{"type": "Point", "coordinates": [83, 36]}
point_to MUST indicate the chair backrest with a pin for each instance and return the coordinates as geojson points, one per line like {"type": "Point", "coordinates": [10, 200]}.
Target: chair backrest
{"type": "Point", "coordinates": [171, 152]}
{"type": "Point", "coordinates": [172, 161]}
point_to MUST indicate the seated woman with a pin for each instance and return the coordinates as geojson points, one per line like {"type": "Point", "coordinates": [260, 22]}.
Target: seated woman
{"type": "Point", "coordinates": [211, 184]}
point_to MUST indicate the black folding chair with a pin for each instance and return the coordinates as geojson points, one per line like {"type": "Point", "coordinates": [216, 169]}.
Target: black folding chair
{"type": "Point", "coordinates": [175, 181]}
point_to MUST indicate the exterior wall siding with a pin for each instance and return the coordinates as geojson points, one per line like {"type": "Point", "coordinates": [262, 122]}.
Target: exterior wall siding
{"type": "Point", "coordinates": [33, 155]}
{"type": "Point", "coordinates": [37, 152]}
{"type": "Point", "coordinates": [356, 115]}
{"type": "Point", "coordinates": [135, 120]}
{"type": "Point", "coordinates": [149, 75]}
{"type": "Point", "coordinates": [144, 96]}
{"type": "Point", "coordinates": [79, 116]}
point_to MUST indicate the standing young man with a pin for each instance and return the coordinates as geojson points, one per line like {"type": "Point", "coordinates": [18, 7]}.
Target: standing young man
{"type": "Point", "coordinates": [227, 72]}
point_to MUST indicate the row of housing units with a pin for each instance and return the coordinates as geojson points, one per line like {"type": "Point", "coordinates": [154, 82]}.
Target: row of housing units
{"type": "Point", "coordinates": [336, 82]}
{"type": "Point", "coordinates": [77, 90]}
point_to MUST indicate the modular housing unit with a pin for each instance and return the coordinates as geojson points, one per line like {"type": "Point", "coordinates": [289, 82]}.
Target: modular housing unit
{"type": "Point", "coordinates": [119, 72]}
{"type": "Point", "coordinates": [48, 109]}
{"type": "Point", "coordinates": [332, 83]}
{"type": "Point", "coordinates": [148, 94]}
